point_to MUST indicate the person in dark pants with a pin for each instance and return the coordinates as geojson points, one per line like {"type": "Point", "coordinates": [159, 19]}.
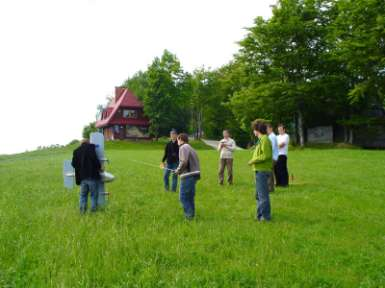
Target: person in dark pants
{"type": "Point", "coordinates": [262, 163]}
{"type": "Point", "coordinates": [87, 174]}
{"type": "Point", "coordinates": [274, 144]}
{"type": "Point", "coordinates": [170, 161]}
{"type": "Point", "coordinates": [281, 171]}
{"type": "Point", "coordinates": [189, 172]}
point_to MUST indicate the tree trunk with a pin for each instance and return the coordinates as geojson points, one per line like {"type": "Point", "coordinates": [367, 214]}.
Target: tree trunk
{"type": "Point", "coordinates": [200, 123]}
{"type": "Point", "coordinates": [351, 136]}
{"type": "Point", "coordinates": [346, 134]}
{"type": "Point", "coordinates": [301, 132]}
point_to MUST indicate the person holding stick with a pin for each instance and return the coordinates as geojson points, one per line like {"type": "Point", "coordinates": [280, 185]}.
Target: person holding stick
{"type": "Point", "coordinates": [226, 147]}
{"type": "Point", "coordinates": [189, 172]}
{"type": "Point", "coordinates": [262, 163]}
{"type": "Point", "coordinates": [170, 162]}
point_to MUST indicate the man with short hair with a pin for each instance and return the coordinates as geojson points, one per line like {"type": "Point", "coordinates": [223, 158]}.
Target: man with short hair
{"type": "Point", "coordinates": [274, 145]}
{"type": "Point", "coordinates": [170, 161]}
{"type": "Point", "coordinates": [189, 172]}
{"type": "Point", "coordinates": [282, 173]}
{"type": "Point", "coordinates": [226, 147]}
{"type": "Point", "coordinates": [87, 173]}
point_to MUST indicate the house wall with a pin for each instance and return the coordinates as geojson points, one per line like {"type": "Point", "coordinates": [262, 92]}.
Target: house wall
{"type": "Point", "coordinates": [108, 134]}
{"type": "Point", "coordinates": [126, 132]}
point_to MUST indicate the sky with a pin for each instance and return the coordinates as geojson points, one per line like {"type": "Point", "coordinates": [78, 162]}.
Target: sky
{"type": "Point", "coordinates": [59, 59]}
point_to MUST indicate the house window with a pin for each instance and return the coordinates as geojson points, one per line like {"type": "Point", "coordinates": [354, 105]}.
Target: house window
{"type": "Point", "coordinates": [129, 113]}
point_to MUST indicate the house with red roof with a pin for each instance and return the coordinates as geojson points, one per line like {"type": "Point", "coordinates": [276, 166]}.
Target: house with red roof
{"type": "Point", "coordinates": [124, 118]}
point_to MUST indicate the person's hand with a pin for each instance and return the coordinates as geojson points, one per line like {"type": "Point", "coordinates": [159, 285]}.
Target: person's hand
{"type": "Point", "coordinates": [162, 165]}
{"type": "Point", "coordinates": [250, 163]}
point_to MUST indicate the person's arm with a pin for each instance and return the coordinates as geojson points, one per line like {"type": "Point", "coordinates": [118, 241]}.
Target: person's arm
{"type": "Point", "coordinates": [284, 142]}
{"type": "Point", "coordinates": [220, 145]}
{"type": "Point", "coordinates": [165, 153]}
{"type": "Point", "coordinates": [74, 161]}
{"type": "Point", "coordinates": [183, 160]}
{"type": "Point", "coordinates": [232, 146]}
{"type": "Point", "coordinates": [262, 156]}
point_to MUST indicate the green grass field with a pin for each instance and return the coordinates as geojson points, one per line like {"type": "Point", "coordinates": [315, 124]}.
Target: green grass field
{"type": "Point", "coordinates": [328, 228]}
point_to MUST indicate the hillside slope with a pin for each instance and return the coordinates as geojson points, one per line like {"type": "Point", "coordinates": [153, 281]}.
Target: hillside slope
{"type": "Point", "coordinates": [327, 229]}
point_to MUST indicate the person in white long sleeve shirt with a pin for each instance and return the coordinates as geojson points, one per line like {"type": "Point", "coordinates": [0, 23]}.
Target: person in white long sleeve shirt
{"type": "Point", "coordinates": [274, 146]}
{"type": "Point", "coordinates": [226, 147]}
{"type": "Point", "coordinates": [282, 173]}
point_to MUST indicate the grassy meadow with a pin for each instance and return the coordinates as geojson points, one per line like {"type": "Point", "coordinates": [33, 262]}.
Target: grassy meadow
{"type": "Point", "coordinates": [328, 228]}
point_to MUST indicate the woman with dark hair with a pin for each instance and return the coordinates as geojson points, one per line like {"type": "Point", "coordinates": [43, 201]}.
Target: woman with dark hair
{"type": "Point", "coordinates": [262, 164]}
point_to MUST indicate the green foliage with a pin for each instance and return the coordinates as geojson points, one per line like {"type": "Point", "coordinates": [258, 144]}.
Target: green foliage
{"type": "Point", "coordinates": [314, 62]}
{"type": "Point", "coordinates": [74, 142]}
{"type": "Point", "coordinates": [137, 84]}
{"type": "Point", "coordinates": [360, 30]}
{"type": "Point", "coordinates": [162, 89]}
{"type": "Point", "coordinates": [327, 228]}
{"type": "Point", "coordinates": [87, 130]}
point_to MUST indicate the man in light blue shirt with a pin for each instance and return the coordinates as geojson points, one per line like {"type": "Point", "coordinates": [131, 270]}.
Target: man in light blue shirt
{"type": "Point", "coordinates": [274, 144]}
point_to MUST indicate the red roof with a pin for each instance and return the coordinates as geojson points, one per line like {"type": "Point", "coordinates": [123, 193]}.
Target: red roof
{"type": "Point", "coordinates": [130, 100]}
{"type": "Point", "coordinates": [124, 98]}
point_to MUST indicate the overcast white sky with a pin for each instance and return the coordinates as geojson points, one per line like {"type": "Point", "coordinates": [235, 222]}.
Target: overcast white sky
{"type": "Point", "coordinates": [60, 59]}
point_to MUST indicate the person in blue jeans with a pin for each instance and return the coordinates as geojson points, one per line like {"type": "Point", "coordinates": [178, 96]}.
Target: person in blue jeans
{"type": "Point", "coordinates": [87, 174]}
{"type": "Point", "coordinates": [170, 161]}
{"type": "Point", "coordinates": [187, 196]}
{"type": "Point", "coordinates": [88, 186]}
{"type": "Point", "coordinates": [189, 172]}
{"type": "Point", "coordinates": [262, 164]}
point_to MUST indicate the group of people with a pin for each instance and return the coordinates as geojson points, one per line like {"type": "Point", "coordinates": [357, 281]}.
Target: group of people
{"type": "Point", "coordinates": [269, 162]}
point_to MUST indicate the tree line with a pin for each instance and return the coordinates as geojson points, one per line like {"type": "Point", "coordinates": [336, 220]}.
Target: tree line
{"type": "Point", "coordinates": [313, 62]}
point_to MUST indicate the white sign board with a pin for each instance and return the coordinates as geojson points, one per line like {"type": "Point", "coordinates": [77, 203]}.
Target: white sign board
{"type": "Point", "coordinates": [321, 134]}
{"type": "Point", "coordinates": [68, 174]}
{"type": "Point", "coordinates": [97, 139]}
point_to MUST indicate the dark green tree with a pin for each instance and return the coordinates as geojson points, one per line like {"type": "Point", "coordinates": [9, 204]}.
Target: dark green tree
{"type": "Point", "coordinates": [164, 97]}
{"type": "Point", "coordinates": [88, 129]}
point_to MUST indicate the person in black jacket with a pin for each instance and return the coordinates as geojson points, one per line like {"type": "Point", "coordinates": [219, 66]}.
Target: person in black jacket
{"type": "Point", "coordinates": [87, 173]}
{"type": "Point", "coordinates": [170, 161]}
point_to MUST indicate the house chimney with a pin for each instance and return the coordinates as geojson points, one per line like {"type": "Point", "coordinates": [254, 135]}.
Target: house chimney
{"type": "Point", "coordinates": [118, 93]}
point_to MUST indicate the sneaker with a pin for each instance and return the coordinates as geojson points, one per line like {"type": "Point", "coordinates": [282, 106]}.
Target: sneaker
{"type": "Point", "coordinates": [189, 218]}
{"type": "Point", "coordinates": [262, 219]}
